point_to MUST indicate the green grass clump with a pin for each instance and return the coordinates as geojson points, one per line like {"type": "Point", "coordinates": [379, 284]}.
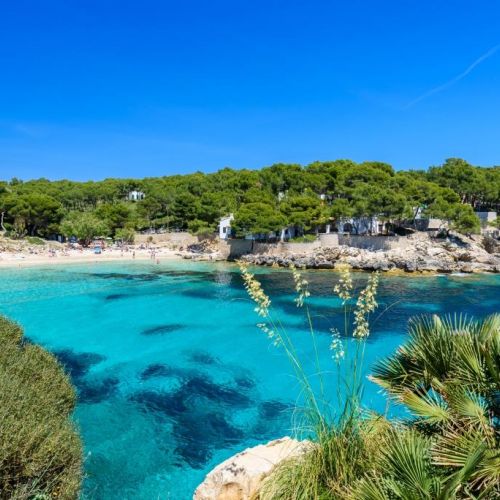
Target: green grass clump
{"type": "Point", "coordinates": [306, 238]}
{"type": "Point", "coordinates": [40, 448]}
{"type": "Point", "coordinates": [35, 240]}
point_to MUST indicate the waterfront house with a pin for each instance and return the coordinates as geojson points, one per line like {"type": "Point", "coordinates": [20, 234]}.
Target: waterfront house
{"type": "Point", "coordinates": [360, 225]}
{"type": "Point", "coordinates": [225, 227]}
{"type": "Point", "coordinates": [288, 233]}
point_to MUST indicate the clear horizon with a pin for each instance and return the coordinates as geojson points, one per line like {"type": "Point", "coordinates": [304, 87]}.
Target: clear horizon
{"type": "Point", "coordinates": [106, 89]}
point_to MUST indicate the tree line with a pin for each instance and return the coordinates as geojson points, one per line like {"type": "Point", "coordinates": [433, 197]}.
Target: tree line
{"type": "Point", "coordinates": [263, 201]}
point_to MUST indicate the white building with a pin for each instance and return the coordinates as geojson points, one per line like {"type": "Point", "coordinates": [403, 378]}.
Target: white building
{"type": "Point", "coordinates": [360, 225]}
{"type": "Point", "coordinates": [136, 196]}
{"type": "Point", "coordinates": [225, 227]}
{"type": "Point", "coordinates": [287, 233]}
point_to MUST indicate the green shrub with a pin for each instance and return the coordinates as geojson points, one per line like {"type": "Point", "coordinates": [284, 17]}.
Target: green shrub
{"type": "Point", "coordinates": [125, 234]}
{"type": "Point", "coordinates": [306, 238]}
{"type": "Point", "coordinates": [35, 240]}
{"type": "Point", "coordinates": [40, 449]}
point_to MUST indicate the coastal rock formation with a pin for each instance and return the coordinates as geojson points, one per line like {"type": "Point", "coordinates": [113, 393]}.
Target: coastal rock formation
{"type": "Point", "coordinates": [457, 253]}
{"type": "Point", "coordinates": [240, 477]}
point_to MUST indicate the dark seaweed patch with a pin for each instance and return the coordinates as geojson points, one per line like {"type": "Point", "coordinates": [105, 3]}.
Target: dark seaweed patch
{"type": "Point", "coordinates": [161, 370]}
{"type": "Point", "coordinates": [162, 329]}
{"type": "Point", "coordinates": [244, 382]}
{"type": "Point", "coordinates": [126, 276]}
{"type": "Point", "coordinates": [203, 387]}
{"type": "Point", "coordinates": [160, 403]}
{"type": "Point", "coordinates": [196, 442]}
{"type": "Point", "coordinates": [116, 296]}
{"type": "Point", "coordinates": [97, 391]}
{"type": "Point", "coordinates": [181, 274]}
{"type": "Point", "coordinates": [77, 364]}
{"type": "Point", "coordinates": [202, 358]}
{"type": "Point", "coordinates": [195, 410]}
{"type": "Point", "coordinates": [272, 409]}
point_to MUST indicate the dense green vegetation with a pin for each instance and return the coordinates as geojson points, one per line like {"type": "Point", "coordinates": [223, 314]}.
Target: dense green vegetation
{"type": "Point", "coordinates": [40, 449]}
{"type": "Point", "coordinates": [262, 200]}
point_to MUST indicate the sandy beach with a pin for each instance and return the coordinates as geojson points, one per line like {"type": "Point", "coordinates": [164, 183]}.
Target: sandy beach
{"type": "Point", "coordinates": [37, 257]}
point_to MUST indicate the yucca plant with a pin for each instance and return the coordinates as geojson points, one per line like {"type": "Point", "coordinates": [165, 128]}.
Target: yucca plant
{"type": "Point", "coordinates": [448, 376]}
{"type": "Point", "coordinates": [342, 446]}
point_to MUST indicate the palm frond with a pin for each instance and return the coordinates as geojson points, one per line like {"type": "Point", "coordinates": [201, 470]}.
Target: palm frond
{"type": "Point", "coordinates": [469, 405]}
{"type": "Point", "coordinates": [428, 406]}
{"type": "Point", "coordinates": [369, 488]}
{"type": "Point", "coordinates": [406, 457]}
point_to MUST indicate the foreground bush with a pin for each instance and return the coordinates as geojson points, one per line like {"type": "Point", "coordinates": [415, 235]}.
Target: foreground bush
{"type": "Point", "coordinates": [40, 449]}
{"type": "Point", "coordinates": [447, 376]}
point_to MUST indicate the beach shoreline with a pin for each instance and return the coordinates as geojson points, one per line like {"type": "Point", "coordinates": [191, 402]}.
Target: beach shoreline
{"type": "Point", "coordinates": [16, 260]}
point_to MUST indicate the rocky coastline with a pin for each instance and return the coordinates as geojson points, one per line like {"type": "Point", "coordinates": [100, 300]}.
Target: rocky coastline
{"type": "Point", "coordinates": [455, 254]}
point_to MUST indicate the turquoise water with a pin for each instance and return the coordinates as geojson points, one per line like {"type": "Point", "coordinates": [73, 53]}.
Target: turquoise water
{"type": "Point", "coordinates": [174, 377]}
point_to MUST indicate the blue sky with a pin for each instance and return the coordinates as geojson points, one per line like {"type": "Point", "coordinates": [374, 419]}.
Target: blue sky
{"type": "Point", "coordinates": [100, 88]}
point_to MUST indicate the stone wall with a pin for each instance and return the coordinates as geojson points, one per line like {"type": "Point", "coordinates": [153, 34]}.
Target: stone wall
{"type": "Point", "coordinates": [233, 249]}
{"type": "Point", "coordinates": [282, 248]}
{"type": "Point", "coordinates": [374, 242]}
{"type": "Point", "coordinates": [329, 240]}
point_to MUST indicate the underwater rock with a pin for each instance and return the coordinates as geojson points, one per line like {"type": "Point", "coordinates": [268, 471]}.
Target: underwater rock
{"type": "Point", "coordinates": [241, 476]}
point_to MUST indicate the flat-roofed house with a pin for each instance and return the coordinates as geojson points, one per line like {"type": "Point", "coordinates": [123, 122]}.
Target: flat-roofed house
{"type": "Point", "coordinates": [225, 227]}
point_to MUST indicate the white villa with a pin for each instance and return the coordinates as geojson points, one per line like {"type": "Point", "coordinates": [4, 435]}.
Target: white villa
{"type": "Point", "coordinates": [225, 227]}
{"type": "Point", "coordinates": [136, 196]}
{"type": "Point", "coordinates": [360, 225]}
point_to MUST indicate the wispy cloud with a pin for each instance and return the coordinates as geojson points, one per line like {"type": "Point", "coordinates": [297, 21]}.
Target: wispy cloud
{"type": "Point", "coordinates": [456, 79]}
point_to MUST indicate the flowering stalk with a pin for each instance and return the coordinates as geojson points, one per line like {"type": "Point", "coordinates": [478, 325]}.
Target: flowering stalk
{"type": "Point", "coordinates": [344, 287]}
{"type": "Point", "coordinates": [277, 333]}
{"type": "Point", "coordinates": [301, 286]}
{"type": "Point", "coordinates": [365, 305]}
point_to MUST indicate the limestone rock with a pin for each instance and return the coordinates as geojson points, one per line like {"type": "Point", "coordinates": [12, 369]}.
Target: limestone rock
{"type": "Point", "coordinates": [420, 253]}
{"type": "Point", "coordinates": [240, 477]}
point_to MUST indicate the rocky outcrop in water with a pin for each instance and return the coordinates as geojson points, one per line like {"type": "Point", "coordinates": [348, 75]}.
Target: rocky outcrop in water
{"type": "Point", "coordinates": [241, 476]}
{"type": "Point", "coordinates": [457, 253]}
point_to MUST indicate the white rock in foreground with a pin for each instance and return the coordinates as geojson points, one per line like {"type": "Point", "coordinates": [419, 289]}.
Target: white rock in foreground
{"type": "Point", "coordinates": [240, 477]}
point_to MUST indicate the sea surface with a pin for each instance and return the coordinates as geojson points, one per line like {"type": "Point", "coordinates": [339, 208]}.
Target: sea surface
{"type": "Point", "coordinates": [174, 376]}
